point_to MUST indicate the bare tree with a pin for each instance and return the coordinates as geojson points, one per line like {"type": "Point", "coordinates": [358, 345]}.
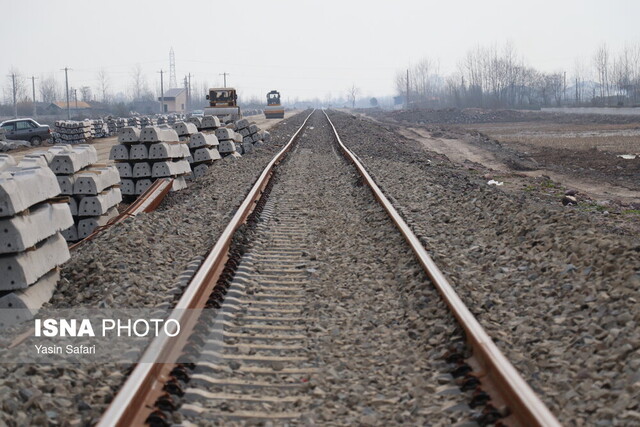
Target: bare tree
{"type": "Point", "coordinates": [103, 84]}
{"type": "Point", "coordinates": [49, 89]}
{"type": "Point", "coordinates": [625, 73]}
{"type": "Point", "coordinates": [19, 91]}
{"type": "Point", "coordinates": [352, 94]}
{"type": "Point", "coordinates": [601, 61]}
{"type": "Point", "coordinates": [137, 82]}
{"type": "Point", "coordinates": [555, 83]}
{"type": "Point", "coordinates": [579, 80]}
{"type": "Point", "coordinates": [401, 83]}
{"type": "Point", "coordinates": [85, 93]}
{"type": "Point", "coordinates": [494, 76]}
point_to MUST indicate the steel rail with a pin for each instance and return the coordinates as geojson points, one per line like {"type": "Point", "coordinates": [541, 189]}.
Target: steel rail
{"type": "Point", "coordinates": [133, 400]}
{"type": "Point", "coordinates": [150, 199]}
{"type": "Point", "coordinates": [146, 202]}
{"type": "Point", "coordinates": [525, 405]}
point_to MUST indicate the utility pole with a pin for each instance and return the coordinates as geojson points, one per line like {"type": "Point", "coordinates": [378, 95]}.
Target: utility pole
{"type": "Point", "coordinates": [225, 78]}
{"type": "Point", "coordinates": [189, 94]}
{"type": "Point", "coordinates": [75, 95]}
{"type": "Point", "coordinates": [161, 91]}
{"type": "Point", "coordinates": [564, 87]}
{"type": "Point", "coordinates": [407, 88]}
{"type": "Point", "coordinates": [186, 88]}
{"type": "Point", "coordinates": [66, 85]}
{"type": "Point", "coordinates": [33, 86]}
{"type": "Point", "coordinates": [15, 96]}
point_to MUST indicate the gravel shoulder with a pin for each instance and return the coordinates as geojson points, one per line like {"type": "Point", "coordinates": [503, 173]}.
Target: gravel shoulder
{"type": "Point", "coordinates": [555, 289]}
{"type": "Point", "coordinates": [134, 264]}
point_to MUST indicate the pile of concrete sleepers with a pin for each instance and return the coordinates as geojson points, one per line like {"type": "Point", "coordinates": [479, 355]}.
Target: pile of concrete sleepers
{"type": "Point", "coordinates": [229, 142]}
{"type": "Point", "coordinates": [250, 135]}
{"type": "Point", "coordinates": [115, 124]}
{"type": "Point", "coordinates": [203, 147]}
{"type": "Point", "coordinates": [205, 122]}
{"type": "Point", "coordinates": [71, 132]}
{"type": "Point", "coordinates": [145, 155]}
{"type": "Point", "coordinates": [99, 129]}
{"type": "Point", "coordinates": [31, 246]}
{"type": "Point", "coordinates": [170, 119]}
{"type": "Point", "coordinates": [184, 130]}
{"type": "Point", "coordinates": [148, 121]}
{"type": "Point", "coordinates": [134, 122]}
{"type": "Point", "coordinates": [92, 189]}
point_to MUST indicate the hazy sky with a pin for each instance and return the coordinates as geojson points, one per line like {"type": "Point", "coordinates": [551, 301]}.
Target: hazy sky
{"type": "Point", "coordinates": [304, 49]}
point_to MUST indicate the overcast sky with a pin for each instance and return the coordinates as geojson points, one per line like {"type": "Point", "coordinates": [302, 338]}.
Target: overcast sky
{"type": "Point", "coordinates": [302, 48]}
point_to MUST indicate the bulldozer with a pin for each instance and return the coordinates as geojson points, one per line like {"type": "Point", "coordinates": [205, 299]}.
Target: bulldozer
{"type": "Point", "coordinates": [223, 103]}
{"type": "Point", "coordinates": [274, 109]}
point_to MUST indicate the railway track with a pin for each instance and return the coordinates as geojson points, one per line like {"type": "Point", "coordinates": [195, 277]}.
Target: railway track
{"type": "Point", "coordinates": [258, 351]}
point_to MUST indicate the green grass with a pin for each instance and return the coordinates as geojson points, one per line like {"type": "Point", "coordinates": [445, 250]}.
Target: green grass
{"type": "Point", "coordinates": [631, 212]}
{"type": "Point", "coordinates": [548, 184]}
{"type": "Point", "coordinates": [593, 207]}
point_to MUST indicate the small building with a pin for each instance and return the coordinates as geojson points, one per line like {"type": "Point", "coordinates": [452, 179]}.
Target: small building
{"type": "Point", "coordinates": [175, 101]}
{"type": "Point", "coordinates": [76, 108]}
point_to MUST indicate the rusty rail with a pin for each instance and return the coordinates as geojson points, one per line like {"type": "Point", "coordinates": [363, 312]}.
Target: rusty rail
{"type": "Point", "coordinates": [525, 406]}
{"type": "Point", "coordinates": [146, 202]}
{"type": "Point", "coordinates": [135, 399]}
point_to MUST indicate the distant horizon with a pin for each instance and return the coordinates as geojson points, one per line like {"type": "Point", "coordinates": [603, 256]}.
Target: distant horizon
{"type": "Point", "coordinates": [304, 49]}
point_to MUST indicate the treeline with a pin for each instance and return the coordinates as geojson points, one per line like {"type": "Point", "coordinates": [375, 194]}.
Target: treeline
{"type": "Point", "coordinates": [138, 94]}
{"type": "Point", "coordinates": [493, 77]}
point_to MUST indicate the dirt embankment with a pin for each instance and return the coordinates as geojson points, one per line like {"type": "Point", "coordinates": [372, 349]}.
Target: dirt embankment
{"type": "Point", "coordinates": [478, 115]}
{"type": "Point", "coordinates": [554, 146]}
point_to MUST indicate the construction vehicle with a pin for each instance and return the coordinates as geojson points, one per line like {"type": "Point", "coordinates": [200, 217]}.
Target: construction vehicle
{"type": "Point", "coordinates": [273, 109]}
{"type": "Point", "coordinates": [223, 103]}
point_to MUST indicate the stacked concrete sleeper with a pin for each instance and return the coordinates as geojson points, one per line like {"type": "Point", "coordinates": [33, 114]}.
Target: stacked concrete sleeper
{"type": "Point", "coordinates": [203, 148]}
{"type": "Point", "coordinates": [92, 188]}
{"type": "Point", "coordinates": [72, 132]}
{"type": "Point", "coordinates": [145, 155]}
{"type": "Point", "coordinates": [31, 244]}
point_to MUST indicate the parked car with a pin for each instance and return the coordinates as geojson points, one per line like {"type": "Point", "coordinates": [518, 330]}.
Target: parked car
{"type": "Point", "coordinates": [26, 130]}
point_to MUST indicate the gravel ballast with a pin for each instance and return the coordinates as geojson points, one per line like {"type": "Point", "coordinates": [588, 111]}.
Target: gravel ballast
{"type": "Point", "coordinates": [379, 328]}
{"type": "Point", "coordinates": [134, 264]}
{"type": "Point", "coordinates": [557, 293]}
{"type": "Point", "coordinates": [376, 329]}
